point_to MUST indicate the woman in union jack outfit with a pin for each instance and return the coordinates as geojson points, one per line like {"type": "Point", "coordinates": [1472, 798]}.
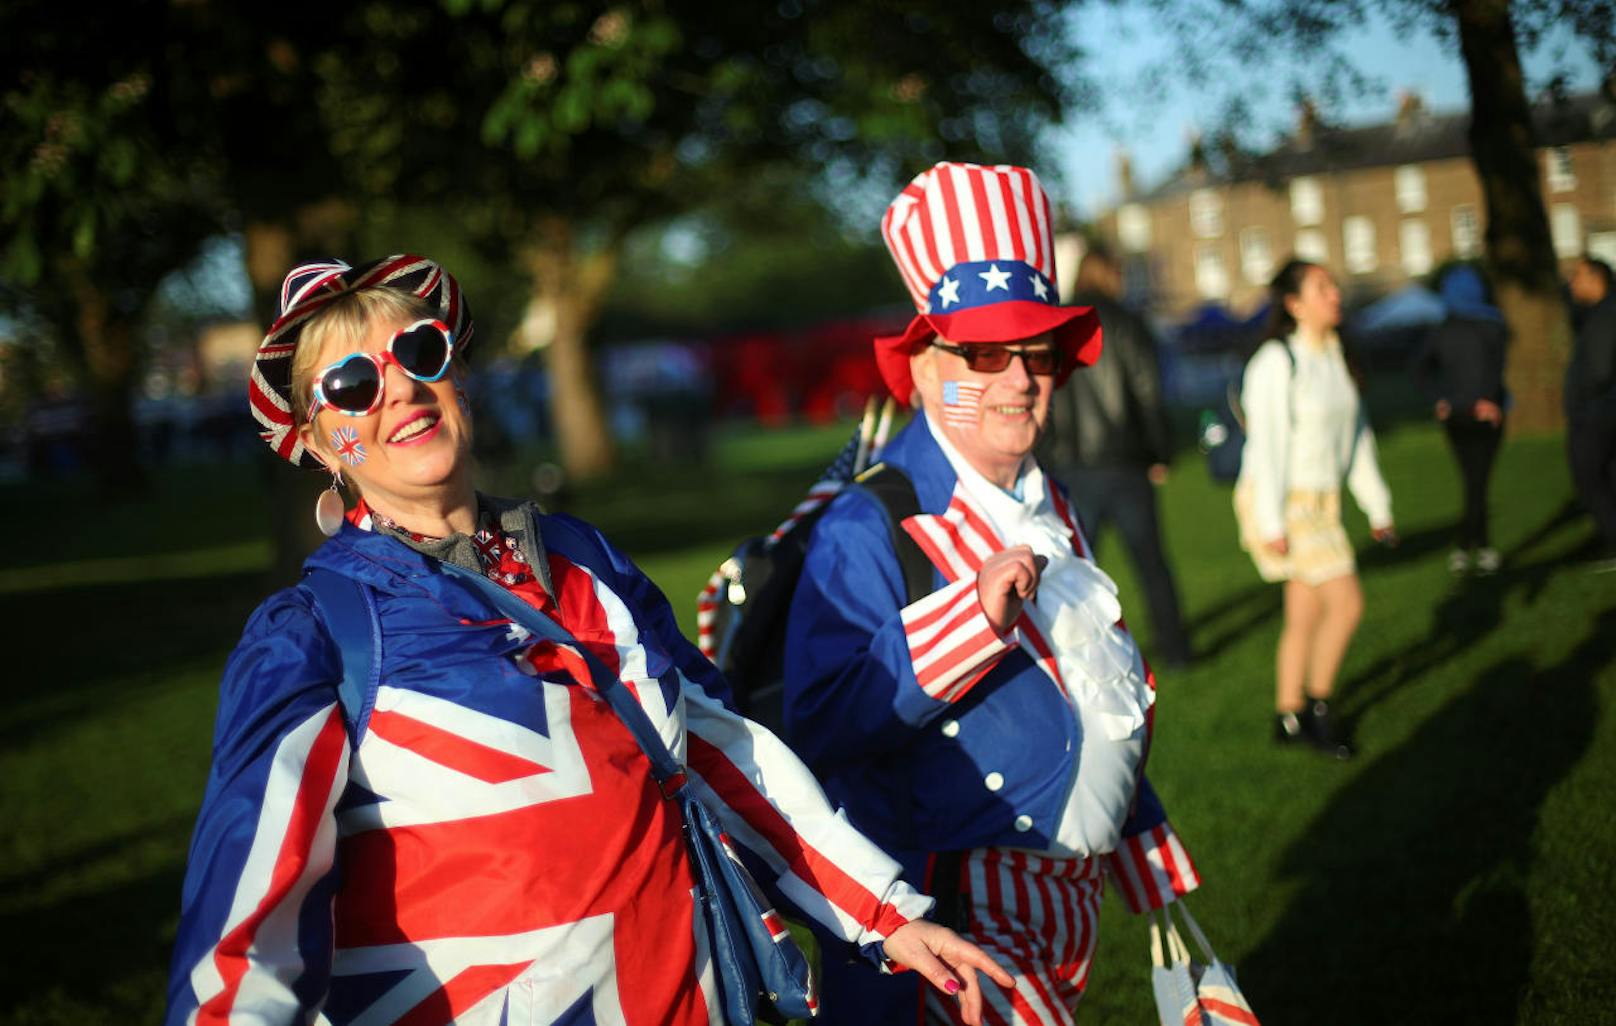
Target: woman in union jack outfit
{"type": "Point", "coordinates": [480, 840]}
{"type": "Point", "coordinates": [991, 734]}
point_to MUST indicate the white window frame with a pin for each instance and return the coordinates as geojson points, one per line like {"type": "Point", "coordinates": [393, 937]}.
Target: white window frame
{"type": "Point", "coordinates": [1206, 214]}
{"type": "Point", "coordinates": [1133, 227]}
{"type": "Point", "coordinates": [1358, 252]}
{"type": "Point", "coordinates": [1409, 180]}
{"type": "Point", "coordinates": [1464, 226]}
{"type": "Point", "coordinates": [1414, 246]}
{"type": "Point", "coordinates": [1307, 201]}
{"type": "Point", "coordinates": [1558, 169]}
{"type": "Point", "coordinates": [1256, 255]}
{"type": "Point", "coordinates": [1211, 275]}
{"type": "Point", "coordinates": [1312, 245]}
{"type": "Point", "coordinates": [1565, 228]}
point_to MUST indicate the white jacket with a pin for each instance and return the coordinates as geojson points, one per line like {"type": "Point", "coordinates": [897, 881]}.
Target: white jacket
{"type": "Point", "coordinates": [1306, 429]}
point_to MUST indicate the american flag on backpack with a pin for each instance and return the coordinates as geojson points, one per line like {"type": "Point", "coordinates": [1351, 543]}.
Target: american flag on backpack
{"type": "Point", "coordinates": [859, 452]}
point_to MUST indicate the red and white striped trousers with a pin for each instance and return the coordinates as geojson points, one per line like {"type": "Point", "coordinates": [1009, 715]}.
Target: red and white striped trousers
{"type": "Point", "coordinates": [1038, 918]}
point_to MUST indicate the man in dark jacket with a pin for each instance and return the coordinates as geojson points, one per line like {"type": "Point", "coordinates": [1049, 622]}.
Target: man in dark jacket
{"type": "Point", "coordinates": [1110, 442]}
{"type": "Point", "coordinates": [1590, 399]}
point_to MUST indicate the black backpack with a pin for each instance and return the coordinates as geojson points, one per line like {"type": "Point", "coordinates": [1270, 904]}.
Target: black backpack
{"type": "Point", "coordinates": [744, 608]}
{"type": "Point", "coordinates": [1222, 434]}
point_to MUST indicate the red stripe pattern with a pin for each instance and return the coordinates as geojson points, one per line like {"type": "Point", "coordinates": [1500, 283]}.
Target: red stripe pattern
{"type": "Point", "coordinates": [968, 213]}
{"type": "Point", "coordinates": [1152, 869]}
{"type": "Point", "coordinates": [1039, 917]}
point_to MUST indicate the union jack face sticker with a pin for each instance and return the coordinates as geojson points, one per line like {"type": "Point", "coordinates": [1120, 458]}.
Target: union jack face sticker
{"type": "Point", "coordinates": [961, 399]}
{"type": "Point", "coordinates": [346, 441]}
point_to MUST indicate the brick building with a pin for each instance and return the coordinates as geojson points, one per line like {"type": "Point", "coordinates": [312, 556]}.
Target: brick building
{"type": "Point", "coordinates": [1378, 204]}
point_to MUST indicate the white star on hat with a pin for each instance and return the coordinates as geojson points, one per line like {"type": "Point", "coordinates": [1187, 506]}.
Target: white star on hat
{"type": "Point", "coordinates": [1039, 287]}
{"type": "Point", "coordinates": [948, 292]}
{"type": "Point", "coordinates": [995, 278]}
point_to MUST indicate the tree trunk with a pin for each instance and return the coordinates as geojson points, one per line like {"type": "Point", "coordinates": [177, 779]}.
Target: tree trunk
{"type": "Point", "coordinates": [271, 248]}
{"type": "Point", "coordinates": [1519, 250]}
{"type": "Point", "coordinates": [573, 285]}
{"type": "Point", "coordinates": [106, 342]}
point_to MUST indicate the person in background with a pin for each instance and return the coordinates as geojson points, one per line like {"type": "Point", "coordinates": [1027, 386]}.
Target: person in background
{"type": "Point", "coordinates": [1461, 368]}
{"type": "Point", "coordinates": [1306, 432]}
{"type": "Point", "coordinates": [991, 733]}
{"type": "Point", "coordinates": [481, 840]}
{"type": "Point", "coordinates": [1110, 442]}
{"type": "Point", "coordinates": [1590, 400]}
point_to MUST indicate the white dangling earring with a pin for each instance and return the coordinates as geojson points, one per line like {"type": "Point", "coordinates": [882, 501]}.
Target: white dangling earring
{"type": "Point", "coordinates": [329, 508]}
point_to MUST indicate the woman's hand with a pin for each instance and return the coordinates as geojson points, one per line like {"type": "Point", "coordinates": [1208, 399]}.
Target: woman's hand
{"type": "Point", "coordinates": [948, 961]}
{"type": "Point", "coordinates": [1006, 580]}
{"type": "Point", "coordinates": [1487, 411]}
{"type": "Point", "coordinates": [1278, 546]}
{"type": "Point", "coordinates": [1386, 536]}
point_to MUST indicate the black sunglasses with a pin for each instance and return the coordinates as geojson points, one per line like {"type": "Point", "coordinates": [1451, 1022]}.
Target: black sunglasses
{"type": "Point", "coordinates": [990, 359]}
{"type": "Point", "coordinates": [353, 385]}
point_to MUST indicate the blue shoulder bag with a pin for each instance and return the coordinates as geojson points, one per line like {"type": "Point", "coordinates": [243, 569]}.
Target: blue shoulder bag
{"type": "Point", "coordinates": [754, 956]}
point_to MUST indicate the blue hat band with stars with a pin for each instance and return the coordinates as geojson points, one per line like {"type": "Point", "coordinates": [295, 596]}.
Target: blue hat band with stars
{"type": "Point", "coordinates": [985, 282]}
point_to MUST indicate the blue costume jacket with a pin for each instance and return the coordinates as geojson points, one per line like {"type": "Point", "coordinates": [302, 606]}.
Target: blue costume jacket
{"type": "Point", "coordinates": [931, 752]}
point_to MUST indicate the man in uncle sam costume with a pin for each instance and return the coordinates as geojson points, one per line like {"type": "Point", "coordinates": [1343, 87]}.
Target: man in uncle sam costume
{"type": "Point", "coordinates": [992, 735]}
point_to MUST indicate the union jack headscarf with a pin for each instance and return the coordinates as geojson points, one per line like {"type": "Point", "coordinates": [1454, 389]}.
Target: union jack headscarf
{"type": "Point", "coordinates": [308, 289]}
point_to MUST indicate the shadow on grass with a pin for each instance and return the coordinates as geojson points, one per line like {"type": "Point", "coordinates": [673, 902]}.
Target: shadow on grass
{"type": "Point", "coordinates": [70, 647]}
{"type": "Point", "coordinates": [128, 925]}
{"type": "Point", "coordinates": [1412, 904]}
{"type": "Point", "coordinates": [1238, 613]}
{"type": "Point", "coordinates": [1473, 608]}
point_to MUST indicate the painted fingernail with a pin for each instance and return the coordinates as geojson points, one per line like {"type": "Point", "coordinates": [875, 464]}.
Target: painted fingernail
{"type": "Point", "coordinates": [952, 986]}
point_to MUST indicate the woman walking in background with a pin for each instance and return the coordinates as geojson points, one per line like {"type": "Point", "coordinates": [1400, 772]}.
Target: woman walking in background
{"type": "Point", "coordinates": [1461, 367]}
{"type": "Point", "coordinates": [1305, 433]}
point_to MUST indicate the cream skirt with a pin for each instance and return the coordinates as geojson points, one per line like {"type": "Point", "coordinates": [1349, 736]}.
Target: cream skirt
{"type": "Point", "coordinates": [1319, 548]}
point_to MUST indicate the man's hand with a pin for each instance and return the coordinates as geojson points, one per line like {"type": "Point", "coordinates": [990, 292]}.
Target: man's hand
{"type": "Point", "coordinates": [1006, 580]}
{"type": "Point", "coordinates": [1444, 409]}
{"type": "Point", "coordinates": [1157, 474]}
{"type": "Point", "coordinates": [1487, 411]}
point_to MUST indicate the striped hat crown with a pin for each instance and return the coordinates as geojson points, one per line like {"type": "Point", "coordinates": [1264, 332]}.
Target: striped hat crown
{"type": "Point", "coordinates": [310, 288]}
{"type": "Point", "coordinates": [966, 236]}
{"type": "Point", "coordinates": [975, 247]}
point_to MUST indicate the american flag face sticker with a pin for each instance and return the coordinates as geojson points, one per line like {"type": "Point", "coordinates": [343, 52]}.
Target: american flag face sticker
{"type": "Point", "coordinates": [961, 400]}
{"type": "Point", "coordinates": [346, 441]}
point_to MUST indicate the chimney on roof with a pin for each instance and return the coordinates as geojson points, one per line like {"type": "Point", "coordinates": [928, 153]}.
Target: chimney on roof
{"type": "Point", "coordinates": [1307, 123]}
{"type": "Point", "coordinates": [1198, 166]}
{"type": "Point", "coordinates": [1124, 166]}
{"type": "Point", "coordinates": [1410, 111]}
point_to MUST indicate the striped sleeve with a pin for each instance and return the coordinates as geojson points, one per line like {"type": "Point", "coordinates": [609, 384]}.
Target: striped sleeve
{"type": "Point", "coordinates": [1153, 869]}
{"type": "Point", "coordinates": [951, 642]}
{"type": "Point", "coordinates": [864, 667]}
{"type": "Point", "coordinates": [770, 801]}
{"type": "Point", "coordinates": [254, 941]}
{"type": "Point", "coordinates": [766, 798]}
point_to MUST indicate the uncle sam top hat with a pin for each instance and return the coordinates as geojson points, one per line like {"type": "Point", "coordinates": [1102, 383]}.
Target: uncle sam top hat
{"type": "Point", "coordinates": [307, 290]}
{"type": "Point", "coordinates": [975, 246]}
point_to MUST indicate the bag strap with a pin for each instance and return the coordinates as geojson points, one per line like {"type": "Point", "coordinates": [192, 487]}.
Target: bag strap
{"type": "Point", "coordinates": [1194, 929]}
{"type": "Point", "coordinates": [349, 613]}
{"type": "Point", "coordinates": [895, 494]}
{"type": "Point", "coordinates": [664, 768]}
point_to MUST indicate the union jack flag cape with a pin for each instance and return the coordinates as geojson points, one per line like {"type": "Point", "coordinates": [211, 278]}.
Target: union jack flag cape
{"type": "Point", "coordinates": [484, 843]}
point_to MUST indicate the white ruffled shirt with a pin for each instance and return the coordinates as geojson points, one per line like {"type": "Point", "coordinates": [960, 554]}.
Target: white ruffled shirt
{"type": "Point", "coordinates": [1076, 609]}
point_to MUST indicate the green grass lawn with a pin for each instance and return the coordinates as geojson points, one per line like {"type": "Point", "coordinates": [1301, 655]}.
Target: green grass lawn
{"type": "Point", "coordinates": [1460, 870]}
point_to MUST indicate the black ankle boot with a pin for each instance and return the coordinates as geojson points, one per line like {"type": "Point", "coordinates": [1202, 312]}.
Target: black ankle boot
{"type": "Point", "coordinates": [1288, 728]}
{"type": "Point", "coordinates": [1322, 732]}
